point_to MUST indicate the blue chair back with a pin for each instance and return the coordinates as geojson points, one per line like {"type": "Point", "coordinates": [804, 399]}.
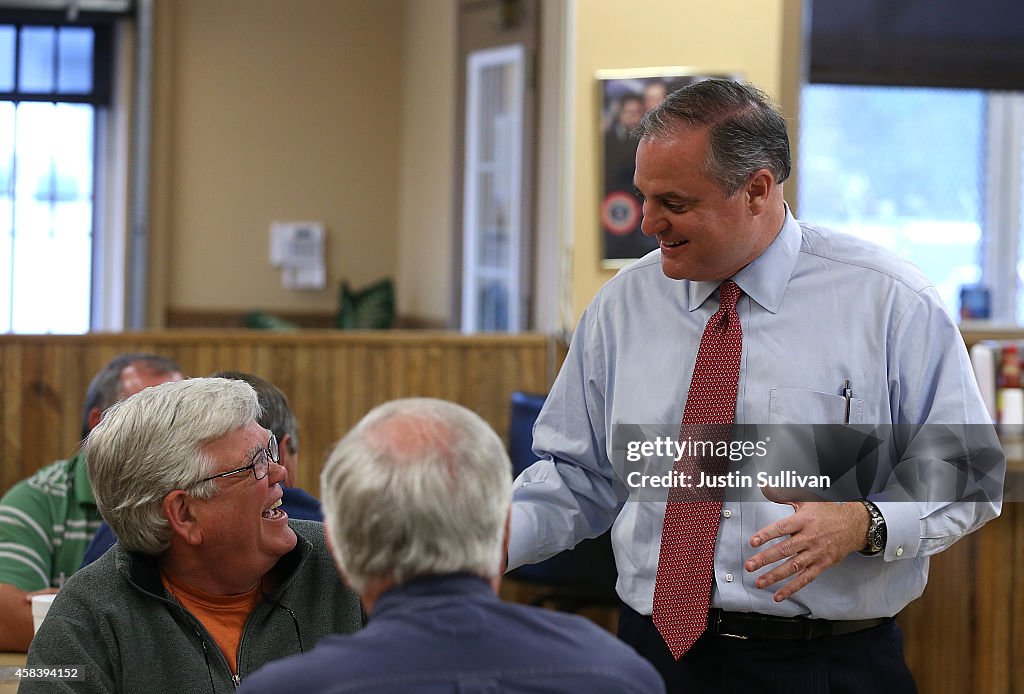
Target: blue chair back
{"type": "Point", "coordinates": [589, 569]}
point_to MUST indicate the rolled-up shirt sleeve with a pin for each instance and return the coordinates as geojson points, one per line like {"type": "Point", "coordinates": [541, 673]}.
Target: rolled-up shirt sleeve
{"type": "Point", "coordinates": [954, 467]}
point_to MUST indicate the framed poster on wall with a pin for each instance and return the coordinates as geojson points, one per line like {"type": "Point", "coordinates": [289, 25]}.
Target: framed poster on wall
{"type": "Point", "coordinates": [625, 96]}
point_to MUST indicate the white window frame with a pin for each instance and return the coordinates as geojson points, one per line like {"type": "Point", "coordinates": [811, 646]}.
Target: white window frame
{"type": "Point", "coordinates": [1002, 232]}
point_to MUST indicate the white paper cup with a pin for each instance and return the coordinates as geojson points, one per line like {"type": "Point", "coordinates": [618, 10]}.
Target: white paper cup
{"type": "Point", "coordinates": [40, 606]}
{"type": "Point", "coordinates": [1012, 407]}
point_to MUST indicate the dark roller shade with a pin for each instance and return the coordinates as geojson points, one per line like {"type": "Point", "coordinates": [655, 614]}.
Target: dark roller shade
{"type": "Point", "coordinates": [976, 44]}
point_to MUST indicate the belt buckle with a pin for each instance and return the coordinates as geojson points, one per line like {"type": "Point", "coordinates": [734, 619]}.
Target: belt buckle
{"type": "Point", "coordinates": [718, 628]}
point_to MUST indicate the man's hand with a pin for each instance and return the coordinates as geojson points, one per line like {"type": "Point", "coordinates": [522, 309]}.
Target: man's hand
{"type": "Point", "coordinates": [16, 626]}
{"type": "Point", "coordinates": [820, 534]}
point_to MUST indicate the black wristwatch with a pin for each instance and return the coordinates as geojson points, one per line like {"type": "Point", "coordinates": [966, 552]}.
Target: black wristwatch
{"type": "Point", "coordinates": [876, 530]}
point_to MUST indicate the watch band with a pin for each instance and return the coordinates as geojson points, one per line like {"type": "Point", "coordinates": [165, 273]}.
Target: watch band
{"type": "Point", "coordinates": [876, 535]}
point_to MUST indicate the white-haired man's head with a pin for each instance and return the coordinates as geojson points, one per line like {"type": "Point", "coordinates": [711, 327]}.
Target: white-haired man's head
{"type": "Point", "coordinates": [419, 487]}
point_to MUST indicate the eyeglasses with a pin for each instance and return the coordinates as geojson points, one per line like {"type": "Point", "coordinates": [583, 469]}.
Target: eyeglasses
{"type": "Point", "coordinates": [260, 464]}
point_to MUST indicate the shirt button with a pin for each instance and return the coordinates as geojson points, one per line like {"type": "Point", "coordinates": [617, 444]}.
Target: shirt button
{"type": "Point", "coordinates": [727, 513]}
{"type": "Point", "coordinates": [899, 551]}
{"type": "Point", "coordinates": [728, 578]}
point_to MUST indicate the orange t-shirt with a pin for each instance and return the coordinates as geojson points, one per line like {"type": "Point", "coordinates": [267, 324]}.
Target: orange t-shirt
{"type": "Point", "coordinates": [223, 615]}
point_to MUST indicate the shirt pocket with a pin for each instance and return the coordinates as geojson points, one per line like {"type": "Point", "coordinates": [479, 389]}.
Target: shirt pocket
{"type": "Point", "coordinates": [801, 406]}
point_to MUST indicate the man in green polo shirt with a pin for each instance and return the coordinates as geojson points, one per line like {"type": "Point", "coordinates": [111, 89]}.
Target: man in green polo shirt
{"type": "Point", "coordinates": [48, 520]}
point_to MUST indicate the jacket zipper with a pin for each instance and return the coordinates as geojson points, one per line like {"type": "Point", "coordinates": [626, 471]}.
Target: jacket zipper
{"type": "Point", "coordinates": [236, 679]}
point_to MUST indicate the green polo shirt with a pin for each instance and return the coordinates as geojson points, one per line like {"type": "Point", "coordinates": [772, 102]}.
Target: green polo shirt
{"type": "Point", "coordinates": [46, 523]}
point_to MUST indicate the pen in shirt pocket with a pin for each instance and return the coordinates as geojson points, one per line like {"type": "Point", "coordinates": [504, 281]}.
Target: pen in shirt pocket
{"type": "Point", "coordinates": [848, 394]}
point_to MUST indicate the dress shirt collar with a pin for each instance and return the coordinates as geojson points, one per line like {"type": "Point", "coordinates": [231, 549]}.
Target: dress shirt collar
{"type": "Point", "coordinates": [465, 586]}
{"type": "Point", "coordinates": [765, 279]}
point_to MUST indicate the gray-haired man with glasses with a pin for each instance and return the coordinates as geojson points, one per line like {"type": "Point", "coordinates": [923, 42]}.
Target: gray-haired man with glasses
{"type": "Point", "coordinates": [210, 579]}
{"type": "Point", "coordinates": [276, 416]}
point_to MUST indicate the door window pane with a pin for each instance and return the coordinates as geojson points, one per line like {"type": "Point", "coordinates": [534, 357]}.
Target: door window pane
{"type": "Point", "coordinates": [492, 307]}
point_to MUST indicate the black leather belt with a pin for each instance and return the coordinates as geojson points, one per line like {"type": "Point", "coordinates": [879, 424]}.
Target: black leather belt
{"type": "Point", "coordinates": [751, 625]}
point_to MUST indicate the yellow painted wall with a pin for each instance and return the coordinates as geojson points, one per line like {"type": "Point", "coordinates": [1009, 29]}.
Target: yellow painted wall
{"type": "Point", "coordinates": [426, 176]}
{"type": "Point", "coordinates": [343, 111]}
{"type": "Point", "coordinates": [754, 40]}
{"type": "Point", "coordinates": [267, 110]}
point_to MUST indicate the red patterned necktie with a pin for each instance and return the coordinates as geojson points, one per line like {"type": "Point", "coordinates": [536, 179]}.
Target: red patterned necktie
{"type": "Point", "coordinates": [682, 589]}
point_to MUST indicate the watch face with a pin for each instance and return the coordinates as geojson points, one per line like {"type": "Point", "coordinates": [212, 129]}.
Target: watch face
{"type": "Point", "coordinates": [875, 538]}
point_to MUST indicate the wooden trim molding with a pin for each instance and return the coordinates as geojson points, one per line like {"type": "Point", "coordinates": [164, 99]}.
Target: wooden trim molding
{"type": "Point", "coordinates": [188, 318]}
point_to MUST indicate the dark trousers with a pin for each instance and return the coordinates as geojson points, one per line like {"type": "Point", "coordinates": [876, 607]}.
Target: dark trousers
{"type": "Point", "coordinates": [864, 662]}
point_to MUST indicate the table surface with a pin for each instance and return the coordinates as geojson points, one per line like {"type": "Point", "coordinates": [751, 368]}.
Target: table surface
{"type": "Point", "coordinates": [9, 685]}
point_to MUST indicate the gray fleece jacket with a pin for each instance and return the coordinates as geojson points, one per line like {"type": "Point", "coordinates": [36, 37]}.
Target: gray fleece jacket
{"type": "Point", "coordinates": [116, 624]}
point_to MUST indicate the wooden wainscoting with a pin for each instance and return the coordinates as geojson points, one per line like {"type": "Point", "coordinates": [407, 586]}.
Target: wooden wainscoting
{"type": "Point", "coordinates": [966, 633]}
{"type": "Point", "coordinates": [331, 379]}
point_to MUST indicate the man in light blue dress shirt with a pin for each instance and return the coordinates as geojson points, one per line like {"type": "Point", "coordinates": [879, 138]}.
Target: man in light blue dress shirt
{"type": "Point", "coordinates": [835, 332]}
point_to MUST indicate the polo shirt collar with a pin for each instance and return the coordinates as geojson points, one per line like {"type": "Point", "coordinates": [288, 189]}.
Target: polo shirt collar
{"type": "Point", "coordinates": [83, 488]}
